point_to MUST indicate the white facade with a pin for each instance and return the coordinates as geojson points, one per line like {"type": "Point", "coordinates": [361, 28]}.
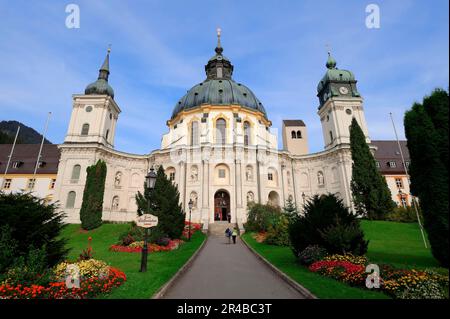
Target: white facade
{"type": "Point", "coordinates": [220, 173]}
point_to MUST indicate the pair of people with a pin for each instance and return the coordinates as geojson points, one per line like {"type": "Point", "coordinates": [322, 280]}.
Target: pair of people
{"type": "Point", "coordinates": [231, 234]}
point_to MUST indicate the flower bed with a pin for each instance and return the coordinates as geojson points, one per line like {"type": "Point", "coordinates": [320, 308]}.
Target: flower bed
{"type": "Point", "coordinates": [136, 247]}
{"type": "Point", "coordinates": [397, 283]}
{"type": "Point", "coordinates": [345, 271]}
{"type": "Point", "coordinates": [194, 227]}
{"type": "Point", "coordinates": [89, 288]}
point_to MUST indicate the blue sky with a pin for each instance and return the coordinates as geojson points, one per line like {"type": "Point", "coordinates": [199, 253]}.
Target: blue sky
{"type": "Point", "coordinates": [159, 49]}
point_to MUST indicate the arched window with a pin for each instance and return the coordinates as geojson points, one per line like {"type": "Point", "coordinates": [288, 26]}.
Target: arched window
{"type": "Point", "coordinates": [299, 134]}
{"type": "Point", "coordinates": [70, 202]}
{"type": "Point", "coordinates": [221, 126]}
{"type": "Point", "coordinates": [246, 133]}
{"type": "Point", "coordinates": [194, 133]}
{"type": "Point", "coordinates": [76, 173]}
{"type": "Point", "coordinates": [293, 134]}
{"type": "Point", "coordinates": [85, 129]}
{"type": "Point", "coordinates": [331, 136]}
{"type": "Point", "coordinates": [107, 134]}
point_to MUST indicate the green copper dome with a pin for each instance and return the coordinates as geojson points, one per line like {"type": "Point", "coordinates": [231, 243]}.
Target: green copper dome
{"type": "Point", "coordinates": [101, 86]}
{"type": "Point", "coordinates": [219, 88]}
{"type": "Point", "coordinates": [336, 83]}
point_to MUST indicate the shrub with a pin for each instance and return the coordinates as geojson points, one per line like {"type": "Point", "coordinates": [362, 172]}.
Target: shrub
{"type": "Point", "coordinates": [311, 254]}
{"type": "Point", "coordinates": [260, 217]}
{"type": "Point", "coordinates": [31, 222]}
{"type": "Point", "coordinates": [328, 224]}
{"type": "Point", "coordinates": [278, 233]}
{"type": "Point", "coordinates": [135, 233]}
{"type": "Point", "coordinates": [344, 238]}
{"type": "Point", "coordinates": [29, 270]}
{"type": "Point", "coordinates": [8, 248]}
{"type": "Point", "coordinates": [404, 215]}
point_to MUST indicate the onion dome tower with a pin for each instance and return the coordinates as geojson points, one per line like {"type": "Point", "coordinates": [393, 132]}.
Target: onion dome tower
{"type": "Point", "coordinates": [101, 86]}
{"type": "Point", "coordinates": [336, 82]}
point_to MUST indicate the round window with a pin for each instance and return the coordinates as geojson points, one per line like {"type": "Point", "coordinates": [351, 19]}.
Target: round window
{"type": "Point", "coordinates": [88, 108]}
{"type": "Point", "coordinates": [348, 111]}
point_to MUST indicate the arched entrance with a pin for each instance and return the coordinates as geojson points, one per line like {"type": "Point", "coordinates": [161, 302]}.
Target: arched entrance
{"type": "Point", "coordinates": [221, 205]}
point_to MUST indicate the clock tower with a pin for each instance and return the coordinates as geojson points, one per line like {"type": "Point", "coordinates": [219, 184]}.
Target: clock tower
{"type": "Point", "coordinates": [339, 101]}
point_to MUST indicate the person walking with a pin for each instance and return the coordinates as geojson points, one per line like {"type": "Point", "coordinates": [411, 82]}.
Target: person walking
{"type": "Point", "coordinates": [234, 235]}
{"type": "Point", "coordinates": [228, 234]}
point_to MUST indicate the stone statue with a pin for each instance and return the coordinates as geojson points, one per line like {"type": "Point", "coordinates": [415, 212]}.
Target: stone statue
{"type": "Point", "coordinates": [320, 178]}
{"type": "Point", "coordinates": [250, 197]}
{"type": "Point", "coordinates": [248, 174]}
{"type": "Point", "coordinates": [115, 203]}
{"type": "Point", "coordinates": [194, 173]}
{"type": "Point", "coordinates": [117, 179]}
{"type": "Point", "coordinates": [194, 199]}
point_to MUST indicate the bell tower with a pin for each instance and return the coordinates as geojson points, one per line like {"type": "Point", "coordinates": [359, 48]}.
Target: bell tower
{"type": "Point", "coordinates": [94, 113]}
{"type": "Point", "coordinates": [339, 102]}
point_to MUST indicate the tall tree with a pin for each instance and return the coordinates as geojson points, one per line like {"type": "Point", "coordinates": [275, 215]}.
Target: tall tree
{"type": "Point", "coordinates": [94, 189]}
{"type": "Point", "coordinates": [371, 195]}
{"type": "Point", "coordinates": [426, 128]}
{"type": "Point", "coordinates": [28, 222]}
{"type": "Point", "coordinates": [164, 203]}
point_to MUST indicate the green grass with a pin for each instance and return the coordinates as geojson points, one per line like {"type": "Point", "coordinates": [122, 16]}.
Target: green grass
{"type": "Point", "coordinates": [320, 286]}
{"type": "Point", "coordinates": [161, 265]}
{"type": "Point", "coordinates": [399, 244]}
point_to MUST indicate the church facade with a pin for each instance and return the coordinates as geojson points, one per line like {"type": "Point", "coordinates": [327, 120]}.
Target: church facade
{"type": "Point", "coordinates": [219, 149]}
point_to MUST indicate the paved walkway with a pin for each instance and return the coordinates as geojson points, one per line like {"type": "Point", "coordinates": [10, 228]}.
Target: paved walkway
{"type": "Point", "coordinates": [223, 270]}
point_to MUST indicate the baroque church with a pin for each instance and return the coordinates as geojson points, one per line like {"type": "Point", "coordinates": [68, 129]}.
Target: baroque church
{"type": "Point", "coordinates": [219, 149]}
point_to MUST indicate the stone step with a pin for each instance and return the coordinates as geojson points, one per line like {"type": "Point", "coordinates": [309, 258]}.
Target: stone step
{"type": "Point", "coordinates": [218, 228]}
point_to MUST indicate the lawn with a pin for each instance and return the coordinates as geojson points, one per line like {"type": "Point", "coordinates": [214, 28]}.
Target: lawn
{"type": "Point", "coordinates": [161, 265]}
{"type": "Point", "coordinates": [399, 244]}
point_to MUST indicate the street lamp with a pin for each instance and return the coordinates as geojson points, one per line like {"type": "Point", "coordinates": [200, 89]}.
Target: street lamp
{"type": "Point", "coordinates": [150, 181]}
{"type": "Point", "coordinates": [190, 204]}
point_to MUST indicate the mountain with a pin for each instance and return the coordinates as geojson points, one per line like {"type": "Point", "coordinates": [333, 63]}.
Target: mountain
{"type": "Point", "coordinates": [27, 135]}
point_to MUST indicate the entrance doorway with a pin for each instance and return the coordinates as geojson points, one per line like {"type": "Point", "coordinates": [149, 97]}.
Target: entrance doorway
{"type": "Point", "coordinates": [222, 206]}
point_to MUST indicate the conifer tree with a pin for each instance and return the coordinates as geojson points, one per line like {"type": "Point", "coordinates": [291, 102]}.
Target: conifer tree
{"type": "Point", "coordinates": [426, 128]}
{"type": "Point", "coordinates": [164, 203]}
{"type": "Point", "coordinates": [290, 209]}
{"type": "Point", "coordinates": [371, 195]}
{"type": "Point", "coordinates": [94, 189]}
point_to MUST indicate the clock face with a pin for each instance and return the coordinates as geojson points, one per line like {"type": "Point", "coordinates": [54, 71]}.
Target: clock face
{"type": "Point", "coordinates": [343, 90]}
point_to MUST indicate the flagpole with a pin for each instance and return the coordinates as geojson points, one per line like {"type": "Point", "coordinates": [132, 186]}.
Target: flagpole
{"type": "Point", "coordinates": [407, 176]}
{"type": "Point", "coordinates": [40, 149]}
{"type": "Point", "coordinates": [10, 154]}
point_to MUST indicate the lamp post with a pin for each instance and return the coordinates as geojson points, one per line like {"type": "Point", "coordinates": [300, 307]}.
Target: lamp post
{"type": "Point", "coordinates": [150, 181]}
{"type": "Point", "coordinates": [190, 204]}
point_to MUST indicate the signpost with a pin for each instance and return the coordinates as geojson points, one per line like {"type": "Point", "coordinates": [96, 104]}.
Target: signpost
{"type": "Point", "coordinates": [146, 221]}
